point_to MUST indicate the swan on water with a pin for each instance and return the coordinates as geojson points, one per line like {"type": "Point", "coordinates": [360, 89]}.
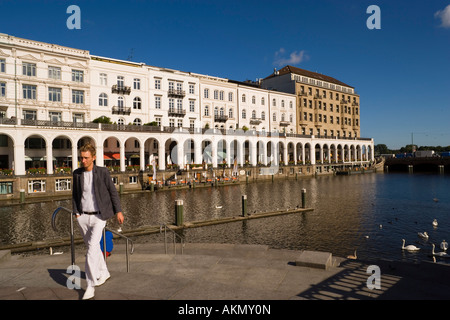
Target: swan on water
{"type": "Point", "coordinates": [444, 245]}
{"type": "Point", "coordinates": [409, 247]}
{"type": "Point", "coordinates": [440, 254]}
{"type": "Point", "coordinates": [423, 235]}
{"type": "Point", "coordinates": [354, 257]}
{"type": "Point", "coordinates": [435, 223]}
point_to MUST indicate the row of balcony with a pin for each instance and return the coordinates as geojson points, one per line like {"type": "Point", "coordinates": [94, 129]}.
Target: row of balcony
{"type": "Point", "coordinates": [121, 89]}
{"type": "Point", "coordinates": [149, 128]}
{"type": "Point", "coordinates": [319, 96]}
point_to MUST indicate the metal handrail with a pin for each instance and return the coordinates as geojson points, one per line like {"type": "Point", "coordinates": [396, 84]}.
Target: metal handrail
{"type": "Point", "coordinates": [175, 235]}
{"type": "Point", "coordinates": [72, 242]}
{"type": "Point", "coordinates": [128, 240]}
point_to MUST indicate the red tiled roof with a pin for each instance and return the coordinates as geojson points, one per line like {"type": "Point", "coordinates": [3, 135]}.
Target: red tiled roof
{"type": "Point", "coordinates": [290, 69]}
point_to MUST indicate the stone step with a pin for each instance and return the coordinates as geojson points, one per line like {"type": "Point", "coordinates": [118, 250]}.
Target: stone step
{"type": "Point", "coordinates": [315, 259]}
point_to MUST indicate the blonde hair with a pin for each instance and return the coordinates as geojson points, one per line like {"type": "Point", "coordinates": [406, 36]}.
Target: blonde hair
{"type": "Point", "coordinates": [88, 147]}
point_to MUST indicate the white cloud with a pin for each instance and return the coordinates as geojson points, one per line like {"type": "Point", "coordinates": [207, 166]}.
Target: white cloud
{"type": "Point", "coordinates": [294, 58]}
{"type": "Point", "coordinates": [444, 15]}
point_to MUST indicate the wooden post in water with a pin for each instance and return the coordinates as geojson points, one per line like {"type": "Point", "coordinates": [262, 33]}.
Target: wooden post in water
{"type": "Point", "coordinates": [303, 198]}
{"type": "Point", "coordinates": [244, 205]}
{"type": "Point", "coordinates": [179, 212]}
{"type": "Point", "coordinates": [22, 195]}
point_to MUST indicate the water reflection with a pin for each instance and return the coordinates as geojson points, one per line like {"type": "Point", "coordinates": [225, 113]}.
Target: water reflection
{"type": "Point", "coordinates": [371, 213]}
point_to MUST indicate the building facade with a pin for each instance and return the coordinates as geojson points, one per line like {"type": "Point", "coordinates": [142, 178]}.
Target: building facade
{"type": "Point", "coordinates": [53, 99]}
{"type": "Point", "coordinates": [326, 107]}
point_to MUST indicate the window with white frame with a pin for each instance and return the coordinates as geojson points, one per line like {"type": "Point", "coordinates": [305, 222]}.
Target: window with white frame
{"type": "Point", "coordinates": [158, 121]}
{"type": "Point", "coordinates": [172, 123]}
{"type": "Point", "coordinates": [207, 111]}
{"type": "Point", "coordinates": [36, 186]}
{"type": "Point", "coordinates": [180, 123]}
{"type": "Point", "coordinates": [78, 96]}
{"type": "Point", "coordinates": [230, 96]}
{"type": "Point", "coordinates": [244, 114]}
{"type": "Point", "coordinates": [137, 103]}
{"type": "Point", "coordinates": [103, 79]}
{"type": "Point", "coordinates": [63, 184]}
{"type": "Point", "coordinates": [29, 69]}
{"type": "Point", "coordinates": [137, 122]}
{"type": "Point", "coordinates": [221, 95]}
{"type": "Point", "coordinates": [2, 89]}
{"type": "Point", "coordinates": [54, 73]}
{"type": "Point", "coordinates": [54, 94]}
{"type": "Point", "coordinates": [103, 100]}
{"type": "Point", "coordinates": [191, 88]}
{"type": "Point", "coordinates": [120, 102]}
{"type": "Point", "coordinates": [6, 187]}
{"type": "Point", "coordinates": [137, 84]}
{"type": "Point", "coordinates": [230, 113]}
{"type": "Point", "coordinates": [191, 105]}
{"type": "Point", "coordinates": [2, 65]}
{"type": "Point", "coordinates": [206, 93]}
{"type": "Point", "coordinates": [158, 84]}
{"type": "Point", "coordinates": [171, 105]}
{"type": "Point", "coordinates": [54, 116]}
{"type": "Point", "coordinates": [29, 91]}
{"type": "Point", "coordinates": [120, 82]}
{"type": "Point", "coordinates": [133, 179]}
{"type": "Point", "coordinates": [29, 114]}
{"type": "Point", "coordinates": [77, 76]}
{"type": "Point", "coordinates": [216, 94]}
{"type": "Point", "coordinates": [157, 102]}
{"type": "Point", "coordinates": [78, 117]}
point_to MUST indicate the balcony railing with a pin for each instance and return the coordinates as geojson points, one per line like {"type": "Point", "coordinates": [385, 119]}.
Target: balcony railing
{"type": "Point", "coordinates": [284, 123]}
{"type": "Point", "coordinates": [159, 129]}
{"type": "Point", "coordinates": [176, 93]}
{"type": "Point", "coordinates": [59, 124]}
{"type": "Point", "coordinates": [177, 112]}
{"type": "Point", "coordinates": [255, 121]}
{"type": "Point", "coordinates": [120, 89]}
{"type": "Point", "coordinates": [220, 118]}
{"type": "Point", "coordinates": [121, 110]}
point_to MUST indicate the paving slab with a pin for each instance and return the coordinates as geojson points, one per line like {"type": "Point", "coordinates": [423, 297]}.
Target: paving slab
{"type": "Point", "coordinates": [219, 272]}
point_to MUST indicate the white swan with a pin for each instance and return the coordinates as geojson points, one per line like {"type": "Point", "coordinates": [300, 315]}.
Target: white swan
{"type": "Point", "coordinates": [435, 223]}
{"type": "Point", "coordinates": [218, 207]}
{"type": "Point", "coordinates": [440, 254]}
{"type": "Point", "coordinates": [444, 245]}
{"type": "Point", "coordinates": [423, 235]}
{"type": "Point", "coordinates": [409, 247]}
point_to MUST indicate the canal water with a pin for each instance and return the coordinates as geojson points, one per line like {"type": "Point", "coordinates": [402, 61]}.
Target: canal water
{"type": "Point", "coordinates": [370, 213]}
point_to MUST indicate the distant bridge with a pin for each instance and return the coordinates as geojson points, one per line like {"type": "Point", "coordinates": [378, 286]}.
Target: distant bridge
{"type": "Point", "coordinates": [420, 164]}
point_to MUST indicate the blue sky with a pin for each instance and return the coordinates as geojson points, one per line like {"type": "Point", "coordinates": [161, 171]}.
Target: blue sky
{"type": "Point", "coordinates": [400, 71]}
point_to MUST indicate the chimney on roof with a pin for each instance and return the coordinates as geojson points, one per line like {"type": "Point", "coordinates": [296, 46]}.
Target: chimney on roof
{"type": "Point", "coordinates": [275, 71]}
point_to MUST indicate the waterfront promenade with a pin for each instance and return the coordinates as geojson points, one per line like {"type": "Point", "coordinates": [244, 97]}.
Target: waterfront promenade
{"type": "Point", "coordinates": [219, 272]}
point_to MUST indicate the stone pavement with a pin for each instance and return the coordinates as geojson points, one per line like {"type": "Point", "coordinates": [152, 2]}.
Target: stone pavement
{"type": "Point", "coordinates": [219, 272]}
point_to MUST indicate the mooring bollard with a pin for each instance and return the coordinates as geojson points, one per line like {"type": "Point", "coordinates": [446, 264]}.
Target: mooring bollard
{"type": "Point", "coordinates": [178, 212]}
{"type": "Point", "coordinates": [303, 198]}
{"type": "Point", "coordinates": [244, 205]}
{"type": "Point", "coordinates": [22, 195]}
